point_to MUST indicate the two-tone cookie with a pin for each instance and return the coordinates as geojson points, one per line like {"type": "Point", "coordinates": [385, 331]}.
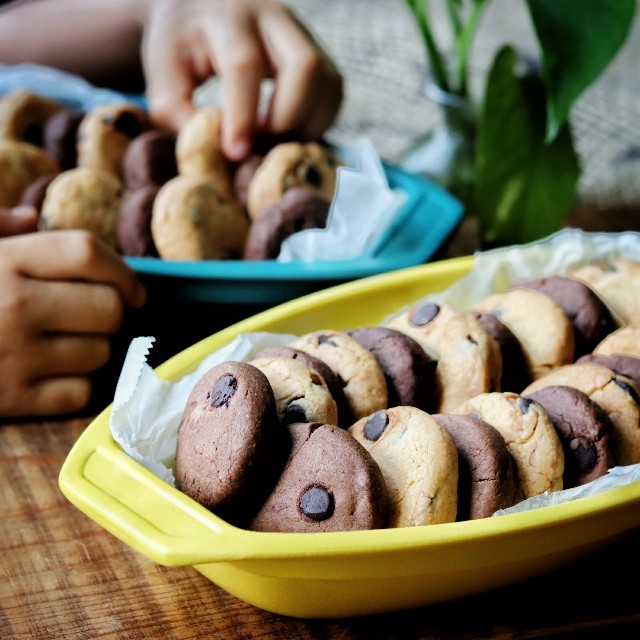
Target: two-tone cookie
{"type": "Point", "coordinates": [419, 462]}
{"type": "Point", "coordinates": [468, 358]}
{"type": "Point", "coordinates": [408, 370]}
{"type": "Point", "coordinates": [364, 384]}
{"type": "Point", "coordinates": [585, 431]}
{"type": "Point", "coordinates": [525, 311]}
{"type": "Point", "coordinates": [590, 317]}
{"type": "Point", "coordinates": [301, 394]}
{"type": "Point", "coordinates": [515, 372]}
{"type": "Point", "coordinates": [329, 483]}
{"type": "Point", "coordinates": [486, 475]}
{"type": "Point", "coordinates": [616, 394]}
{"type": "Point", "coordinates": [287, 165]}
{"type": "Point", "coordinates": [530, 435]}
{"type": "Point", "coordinates": [334, 382]}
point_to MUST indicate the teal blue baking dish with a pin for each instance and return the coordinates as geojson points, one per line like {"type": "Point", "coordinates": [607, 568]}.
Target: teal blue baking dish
{"type": "Point", "coordinates": [427, 218]}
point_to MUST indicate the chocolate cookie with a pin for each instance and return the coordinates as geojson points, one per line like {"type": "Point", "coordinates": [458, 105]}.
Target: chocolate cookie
{"type": "Point", "coordinates": [408, 370]}
{"type": "Point", "coordinates": [486, 476]}
{"type": "Point", "coordinates": [617, 282]}
{"type": "Point", "coordinates": [419, 462]}
{"type": "Point", "coordinates": [524, 311]}
{"type": "Point", "coordinates": [23, 115]}
{"type": "Point", "coordinates": [60, 137]}
{"type": "Point", "coordinates": [530, 435]}
{"type": "Point", "coordinates": [364, 385]}
{"type": "Point", "coordinates": [334, 383]}
{"type": "Point", "coordinates": [590, 317]}
{"type": "Point", "coordinates": [584, 429]}
{"type": "Point", "coordinates": [468, 359]}
{"type": "Point", "coordinates": [83, 198]}
{"type": "Point", "coordinates": [296, 210]}
{"type": "Point", "coordinates": [21, 164]}
{"type": "Point", "coordinates": [134, 222]}
{"type": "Point", "coordinates": [515, 373]}
{"type": "Point", "coordinates": [288, 165]}
{"type": "Point", "coordinates": [105, 132]}
{"type": "Point", "coordinates": [301, 394]}
{"type": "Point", "coordinates": [150, 159]}
{"type": "Point", "coordinates": [194, 220]}
{"type": "Point", "coordinates": [330, 483]}
{"type": "Point", "coordinates": [230, 449]}
{"type": "Point", "coordinates": [616, 394]}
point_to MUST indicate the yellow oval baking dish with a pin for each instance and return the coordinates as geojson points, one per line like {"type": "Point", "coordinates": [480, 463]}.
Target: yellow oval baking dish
{"type": "Point", "coordinates": [333, 574]}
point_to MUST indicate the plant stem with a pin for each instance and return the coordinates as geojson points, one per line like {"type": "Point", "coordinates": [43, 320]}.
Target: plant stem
{"type": "Point", "coordinates": [464, 40]}
{"type": "Point", "coordinates": [419, 10]}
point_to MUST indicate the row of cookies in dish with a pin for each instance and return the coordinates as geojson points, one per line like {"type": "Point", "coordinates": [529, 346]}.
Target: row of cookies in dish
{"type": "Point", "coordinates": [148, 192]}
{"type": "Point", "coordinates": [424, 397]}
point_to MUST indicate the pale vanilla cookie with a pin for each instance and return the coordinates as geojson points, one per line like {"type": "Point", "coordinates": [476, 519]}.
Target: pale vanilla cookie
{"type": "Point", "coordinates": [288, 165]}
{"type": "Point", "coordinates": [365, 387]}
{"type": "Point", "coordinates": [83, 198]}
{"type": "Point", "coordinates": [469, 361]}
{"type": "Point", "coordinates": [616, 394]}
{"type": "Point", "coordinates": [540, 324]}
{"type": "Point", "coordinates": [199, 148]}
{"type": "Point", "coordinates": [21, 164]}
{"type": "Point", "coordinates": [617, 282]}
{"type": "Point", "coordinates": [302, 395]}
{"type": "Point", "coordinates": [192, 219]}
{"type": "Point", "coordinates": [623, 341]}
{"type": "Point", "coordinates": [530, 435]}
{"type": "Point", "coordinates": [23, 115]}
{"type": "Point", "coordinates": [104, 135]}
{"type": "Point", "coordinates": [419, 462]}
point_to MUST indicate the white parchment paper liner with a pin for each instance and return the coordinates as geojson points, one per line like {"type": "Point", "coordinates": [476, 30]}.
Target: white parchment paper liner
{"type": "Point", "coordinates": [146, 410]}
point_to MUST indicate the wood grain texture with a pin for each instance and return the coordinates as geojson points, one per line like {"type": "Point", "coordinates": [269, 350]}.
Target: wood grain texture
{"type": "Point", "coordinates": [63, 577]}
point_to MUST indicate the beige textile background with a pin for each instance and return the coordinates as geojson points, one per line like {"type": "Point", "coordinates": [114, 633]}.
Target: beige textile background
{"type": "Point", "coordinates": [377, 46]}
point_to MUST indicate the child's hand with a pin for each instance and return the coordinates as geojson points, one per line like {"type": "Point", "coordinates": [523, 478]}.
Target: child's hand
{"type": "Point", "coordinates": [242, 42]}
{"type": "Point", "coordinates": [62, 294]}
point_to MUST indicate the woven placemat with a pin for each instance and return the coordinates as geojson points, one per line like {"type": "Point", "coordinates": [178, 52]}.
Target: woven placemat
{"type": "Point", "coordinates": [378, 49]}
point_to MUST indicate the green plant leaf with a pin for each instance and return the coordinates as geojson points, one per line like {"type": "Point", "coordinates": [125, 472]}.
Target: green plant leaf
{"type": "Point", "coordinates": [524, 187]}
{"type": "Point", "coordinates": [578, 40]}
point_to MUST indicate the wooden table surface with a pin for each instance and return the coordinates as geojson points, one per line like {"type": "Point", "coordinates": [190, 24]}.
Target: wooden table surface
{"type": "Point", "coordinates": [62, 576]}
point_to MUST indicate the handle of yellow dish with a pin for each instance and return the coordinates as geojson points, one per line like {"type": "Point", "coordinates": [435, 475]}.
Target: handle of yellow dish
{"type": "Point", "coordinates": [144, 511]}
